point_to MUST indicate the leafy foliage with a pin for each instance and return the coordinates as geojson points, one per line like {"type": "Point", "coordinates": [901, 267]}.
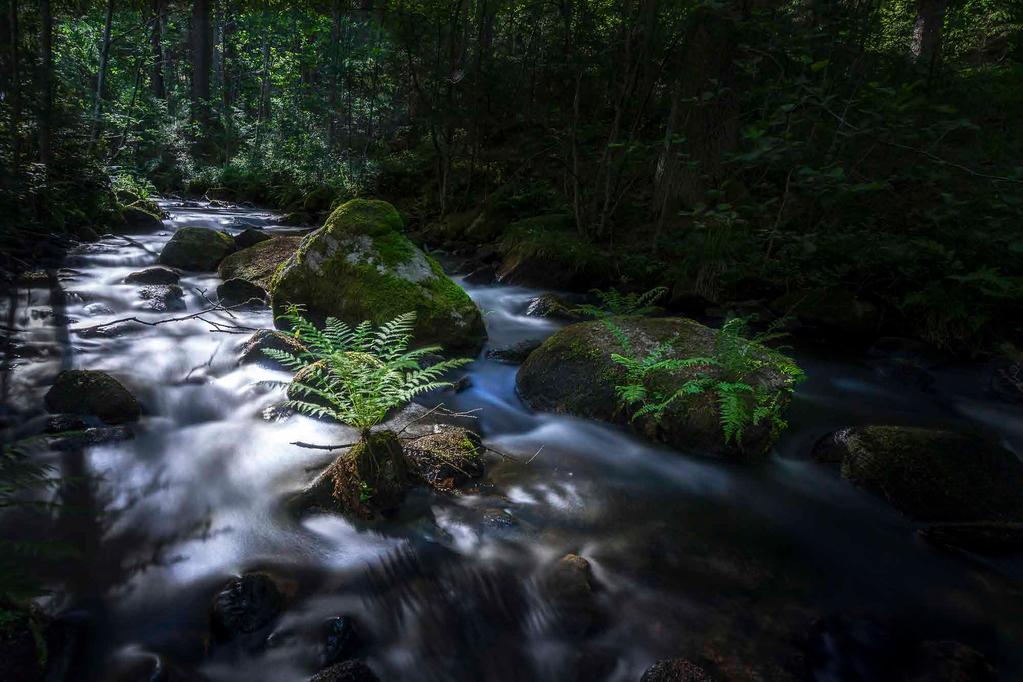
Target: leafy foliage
{"type": "Point", "coordinates": [729, 373]}
{"type": "Point", "coordinates": [356, 375]}
{"type": "Point", "coordinates": [613, 302]}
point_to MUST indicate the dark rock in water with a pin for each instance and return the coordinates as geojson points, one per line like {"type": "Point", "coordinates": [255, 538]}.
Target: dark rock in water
{"type": "Point", "coordinates": [516, 352]}
{"type": "Point", "coordinates": [250, 236]}
{"type": "Point", "coordinates": [158, 274]}
{"type": "Point", "coordinates": [569, 586]}
{"type": "Point", "coordinates": [573, 372]}
{"type": "Point", "coordinates": [252, 351]}
{"type": "Point", "coordinates": [163, 297]}
{"type": "Point", "coordinates": [259, 262]}
{"type": "Point", "coordinates": [981, 537]}
{"type": "Point", "coordinates": [341, 641]}
{"type": "Point", "coordinates": [486, 274]}
{"type": "Point", "coordinates": [196, 248]}
{"type": "Point", "coordinates": [136, 218]}
{"type": "Point", "coordinates": [235, 291]}
{"type": "Point", "coordinates": [349, 671]}
{"type": "Point", "coordinates": [928, 474]}
{"type": "Point", "coordinates": [675, 670]}
{"type": "Point", "coordinates": [143, 666]}
{"type": "Point", "coordinates": [1007, 382]}
{"type": "Point", "coordinates": [949, 662]}
{"type": "Point", "coordinates": [20, 656]}
{"type": "Point", "coordinates": [88, 392]}
{"type": "Point", "coordinates": [73, 440]}
{"type": "Point", "coordinates": [498, 519]}
{"type": "Point", "coordinates": [552, 306]}
{"type": "Point", "coordinates": [245, 605]}
{"type": "Point", "coordinates": [462, 383]}
{"type": "Point", "coordinates": [447, 459]}
{"type": "Point", "coordinates": [59, 423]}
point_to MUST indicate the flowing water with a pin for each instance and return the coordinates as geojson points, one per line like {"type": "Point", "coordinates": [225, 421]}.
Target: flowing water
{"type": "Point", "coordinates": [780, 568]}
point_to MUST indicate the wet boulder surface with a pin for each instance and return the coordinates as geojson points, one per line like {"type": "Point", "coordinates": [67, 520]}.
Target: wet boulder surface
{"type": "Point", "coordinates": [196, 248]}
{"type": "Point", "coordinates": [95, 393]}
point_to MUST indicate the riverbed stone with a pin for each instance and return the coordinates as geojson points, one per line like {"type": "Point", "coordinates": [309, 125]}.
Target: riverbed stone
{"type": "Point", "coordinates": [928, 474]}
{"type": "Point", "coordinates": [573, 373]}
{"type": "Point", "coordinates": [137, 218]}
{"type": "Point", "coordinates": [341, 640]}
{"type": "Point", "coordinates": [90, 392]}
{"type": "Point", "coordinates": [163, 298]}
{"type": "Point", "coordinates": [196, 248]}
{"type": "Point", "coordinates": [237, 290]}
{"type": "Point", "coordinates": [516, 352]}
{"type": "Point", "coordinates": [244, 605]}
{"type": "Point", "coordinates": [554, 307]}
{"type": "Point", "coordinates": [569, 585]}
{"type": "Point", "coordinates": [250, 236]}
{"type": "Point", "coordinates": [252, 351]}
{"type": "Point", "coordinates": [359, 266]}
{"type": "Point", "coordinates": [675, 670]}
{"type": "Point", "coordinates": [348, 671]}
{"type": "Point", "coordinates": [157, 274]}
{"type": "Point", "coordinates": [258, 262]}
{"type": "Point", "coordinates": [447, 459]}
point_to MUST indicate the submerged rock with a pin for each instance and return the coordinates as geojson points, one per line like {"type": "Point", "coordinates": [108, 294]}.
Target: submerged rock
{"type": "Point", "coordinates": [569, 586]}
{"type": "Point", "coordinates": [196, 248]}
{"type": "Point", "coordinates": [252, 351]}
{"type": "Point", "coordinates": [554, 307]}
{"type": "Point", "coordinates": [573, 373]}
{"type": "Point", "coordinates": [235, 291]}
{"type": "Point", "coordinates": [163, 298]}
{"type": "Point", "coordinates": [88, 392]}
{"type": "Point", "coordinates": [928, 474]}
{"type": "Point", "coordinates": [157, 274]}
{"type": "Point", "coordinates": [359, 266]}
{"type": "Point", "coordinates": [447, 459]}
{"type": "Point", "coordinates": [675, 670]}
{"type": "Point", "coordinates": [246, 604]}
{"type": "Point", "coordinates": [250, 236]}
{"type": "Point", "coordinates": [341, 641]}
{"type": "Point", "coordinates": [136, 218]}
{"type": "Point", "coordinates": [983, 537]}
{"type": "Point", "coordinates": [515, 353]}
{"type": "Point", "coordinates": [258, 263]}
{"type": "Point", "coordinates": [348, 671]}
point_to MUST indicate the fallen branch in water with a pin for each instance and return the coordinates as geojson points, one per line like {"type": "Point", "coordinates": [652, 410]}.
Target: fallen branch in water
{"type": "Point", "coordinates": [136, 243]}
{"type": "Point", "coordinates": [217, 326]}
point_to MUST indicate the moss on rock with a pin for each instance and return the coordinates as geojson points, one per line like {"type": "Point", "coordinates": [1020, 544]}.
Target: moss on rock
{"type": "Point", "coordinates": [546, 251]}
{"type": "Point", "coordinates": [196, 248]}
{"type": "Point", "coordinates": [259, 262]}
{"type": "Point", "coordinates": [252, 351]}
{"type": "Point", "coordinates": [359, 266]}
{"type": "Point", "coordinates": [573, 373]}
{"type": "Point", "coordinates": [930, 475]}
{"type": "Point", "coordinates": [447, 459]}
{"type": "Point", "coordinates": [88, 392]}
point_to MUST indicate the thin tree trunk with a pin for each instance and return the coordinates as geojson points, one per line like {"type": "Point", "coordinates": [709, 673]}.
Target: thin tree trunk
{"type": "Point", "coordinates": [45, 80]}
{"type": "Point", "coordinates": [202, 50]}
{"type": "Point", "coordinates": [156, 43]}
{"type": "Point", "coordinates": [15, 94]}
{"type": "Point", "coordinates": [927, 31]}
{"type": "Point", "coordinates": [104, 55]}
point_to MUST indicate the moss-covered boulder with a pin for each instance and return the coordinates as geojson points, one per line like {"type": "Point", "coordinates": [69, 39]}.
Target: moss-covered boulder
{"type": "Point", "coordinates": [359, 266]}
{"type": "Point", "coordinates": [250, 236]}
{"type": "Point", "coordinates": [258, 262]}
{"type": "Point", "coordinates": [928, 474]}
{"type": "Point", "coordinates": [139, 218]}
{"type": "Point", "coordinates": [546, 251]}
{"type": "Point", "coordinates": [573, 373]}
{"type": "Point", "coordinates": [196, 248]}
{"type": "Point", "coordinates": [88, 392]}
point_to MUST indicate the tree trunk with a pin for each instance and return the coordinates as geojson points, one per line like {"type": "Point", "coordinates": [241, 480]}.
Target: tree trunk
{"type": "Point", "coordinates": [156, 43]}
{"type": "Point", "coordinates": [45, 80]}
{"type": "Point", "coordinates": [335, 68]}
{"type": "Point", "coordinates": [926, 43]}
{"type": "Point", "coordinates": [15, 88]}
{"type": "Point", "coordinates": [202, 56]}
{"type": "Point", "coordinates": [104, 55]}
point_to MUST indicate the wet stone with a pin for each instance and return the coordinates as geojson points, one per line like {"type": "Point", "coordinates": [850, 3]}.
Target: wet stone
{"type": "Point", "coordinates": [340, 641]}
{"type": "Point", "coordinates": [245, 605]}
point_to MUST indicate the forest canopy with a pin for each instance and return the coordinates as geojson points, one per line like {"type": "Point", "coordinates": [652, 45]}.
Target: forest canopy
{"type": "Point", "coordinates": [731, 151]}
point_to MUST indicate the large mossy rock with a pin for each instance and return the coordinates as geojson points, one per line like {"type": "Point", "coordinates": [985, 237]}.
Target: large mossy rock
{"type": "Point", "coordinates": [547, 251]}
{"type": "Point", "coordinates": [928, 474]}
{"type": "Point", "coordinates": [88, 392]}
{"type": "Point", "coordinates": [258, 263]}
{"type": "Point", "coordinates": [196, 248]}
{"type": "Point", "coordinates": [359, 266]}
{"type": "Point", "coordinates": [573, 373]}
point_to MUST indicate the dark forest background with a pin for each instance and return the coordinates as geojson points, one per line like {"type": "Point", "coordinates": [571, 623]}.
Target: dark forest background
{"type": "Point", "coordinates": [859, 162]}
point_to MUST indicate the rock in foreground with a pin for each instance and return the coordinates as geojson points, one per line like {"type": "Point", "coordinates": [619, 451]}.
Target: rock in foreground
{"type": "Point", "coordinates": [573, 373]}
{"type": "Point", "coordinates": [196, 248]}
{"type": "Point", "coordinates": [349, 671]}
{"type": "Point", "coordinates": [246, 604]}
{"type": "Point", "coordinates": [928, 474]}
{"type": "Point", "coordinates": [258, 263]}
{"type": "Point", "coordinates": [675, 670]}
{"type": "Point", "coordinates": [359, 266]}
{"type": "Point", "coordinates": [88, 392]}
{"type": "Point", "coordinates": [252, 351]}
{"type": "Point", "coordinates": [156, 274]}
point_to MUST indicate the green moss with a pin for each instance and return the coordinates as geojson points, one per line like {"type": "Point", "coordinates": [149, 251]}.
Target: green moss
{"type": "Point", "coordinates": [365, 216]}
{"type": "Point", "coordinates": [259, 262]}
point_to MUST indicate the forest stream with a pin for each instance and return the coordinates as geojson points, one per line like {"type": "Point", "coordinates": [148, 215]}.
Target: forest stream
{"type": "Point", "coordinates": [781, 567]}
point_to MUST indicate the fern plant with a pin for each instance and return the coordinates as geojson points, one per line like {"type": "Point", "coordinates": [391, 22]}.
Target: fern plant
{"type": "Point", "coordinates": [727, 373]}
{"type": "Point", "coordinates": [356, 375]}
{"type": "Point", "coordinates": [613, 302]}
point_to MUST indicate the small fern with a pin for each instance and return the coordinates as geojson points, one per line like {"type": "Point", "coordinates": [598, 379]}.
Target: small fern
{"type": "Point", "coordinates": [735, 360]}
{"type": "Point", "coordinates": [613, 302]}
{"type": "Point", "coordinates": [358, 374]}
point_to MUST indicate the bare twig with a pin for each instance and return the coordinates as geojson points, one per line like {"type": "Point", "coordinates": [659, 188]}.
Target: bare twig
{"type": "Point", "coordinates": [437, 408]}
{"type": "Point", "coordinates": [217, 326]}
{"type": "Point", "coordinates": [207, 364]}
{"type": "Point", "coordinates": [314, 446]}
{"type": "Point", "coordinates": [136, 243]}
